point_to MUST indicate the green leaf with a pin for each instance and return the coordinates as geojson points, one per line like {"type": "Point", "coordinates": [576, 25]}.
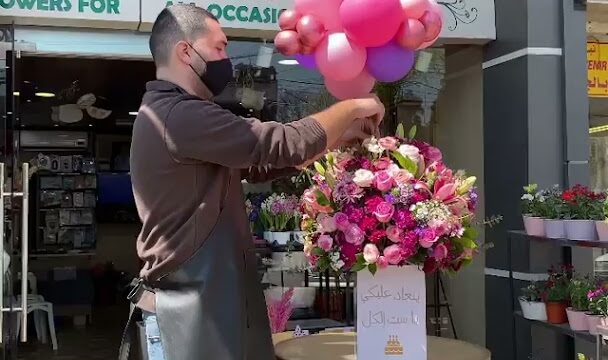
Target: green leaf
{"type": "Point", "coordinates": [323, 264]}
{"type": "Point", "coordinates": [466, 262]}
{"type": "Point", "coordinates": [405, 163]}
{"type": "Point", "coordinates": [318, 251]}
{"type": "Point", "coordinates": [470, 233]}
{"type": "Point", "coordinates": [321, 198]}
{"type": "Point", "coordinates": [412, 133]}
{"type": "Point", "coordinates": [372, 268]}
{"type": "Point", "coordinates": [468, 243]}
{"type": "Point", "coordinates": [320, 169]}
{"type": "Point", "coordinates": [400, 131]}
{"type": "Point", "coordinates": [331, 181]}
{"type": "Point", "coordinates": [357, 267]}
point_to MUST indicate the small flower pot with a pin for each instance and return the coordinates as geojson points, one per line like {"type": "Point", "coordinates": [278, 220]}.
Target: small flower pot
{"type": "Point", "coordinates": [555, 229]}
{"type": "Point", "coordinates": [580, 230]}
{"type": "Point", "coordinates": [535, 226]}
{"type": "Point", "coordinates": [556, 312]}
{"type": "Point", "coordinates": [281, 237]}
{"type": "Point", "coordinates": [268, 236]}
{"type": "Point", "coordinates": [533, 310]}
{"type": "Point", "coordinates": [594, 321]}
{"type": "Point", "coordinates": [602, 230]}
{"type": "Point", "coordinates": [577, 320]}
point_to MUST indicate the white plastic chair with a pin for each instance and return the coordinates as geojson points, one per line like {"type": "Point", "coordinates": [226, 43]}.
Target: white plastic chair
{"type": "Point", "coordinates": [37, 304]}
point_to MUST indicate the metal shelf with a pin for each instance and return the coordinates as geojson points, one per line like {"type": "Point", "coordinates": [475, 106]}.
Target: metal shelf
{"type": "Point", "coordinates": [562, 328]}
{"type": "Point", "coordinates": [562, 242]}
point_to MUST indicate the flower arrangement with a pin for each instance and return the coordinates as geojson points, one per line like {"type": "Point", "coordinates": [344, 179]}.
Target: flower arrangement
{"type": "Point", "coordinates": [553, 206]}
{"type": "Point", "coordinates": [558, 284]}
{"type": "Point", "coordinates": [280, 212]}
{"type": "Point", "coordinates": [583, 204]}
{"type": "Point", "coordinates": [534, 292]}
{"type": "Point", "coordinates": [579, 290]}
{"type": "Point", "coordinates": [598, 301]}
{"type": "Point", "coordinates": [391, 201]}
{"type": "Point", "coordinates": [279, 311]}
{"type": "Point", "coordinates": [532, 201]}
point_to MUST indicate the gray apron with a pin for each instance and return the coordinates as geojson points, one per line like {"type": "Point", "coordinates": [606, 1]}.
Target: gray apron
{"type": "Point", "coordinates": [213, 307]}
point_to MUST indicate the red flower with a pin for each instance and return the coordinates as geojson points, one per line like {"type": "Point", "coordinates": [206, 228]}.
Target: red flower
{"type": "Point", "coordinates": [430, 265]}
{"type": "Point", "coordinates": [372, 203]}
{"type": "Point", "coordinates": [377, 236]}
{"type": "Point", "coordinates": [368, 223]}
{"type": "Point", "coordinates": [568, 196]}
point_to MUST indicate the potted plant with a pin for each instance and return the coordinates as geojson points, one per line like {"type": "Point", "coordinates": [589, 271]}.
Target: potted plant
{"type": "Point", "coordinates": [557, 294]}
{"type": "Point", "coordinates": [531, 202]}
{"type": "Point", "coordinates": [602, 225]}
{"type": "Point", "coordinates": [598, 309]}
{"type": "Point", "coordinates": [582, 208]}
{"type": "Point", "coordinates": [531, 302]}
{"type": "Point", "coordinates": [552, 210]}
{"type": "Point", "coordinates": [579, 289]}
{"type": "Point", "coordinates": [280, 213]}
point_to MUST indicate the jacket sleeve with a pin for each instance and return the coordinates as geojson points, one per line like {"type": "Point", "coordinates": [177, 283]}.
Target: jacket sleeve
{"type": "Point", "coordinates": [260, 174]}
{"type": "Point", "coordinates": [201, 130]}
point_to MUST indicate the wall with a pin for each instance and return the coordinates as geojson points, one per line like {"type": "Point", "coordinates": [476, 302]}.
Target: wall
{"type": "Point", "coordinates": [459, 133]}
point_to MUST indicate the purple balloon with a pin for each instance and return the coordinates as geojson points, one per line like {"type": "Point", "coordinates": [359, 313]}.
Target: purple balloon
{"type": "Point", "coordinates": [389, 62]}
{"type": "Point", "coordinates": [307, 61]}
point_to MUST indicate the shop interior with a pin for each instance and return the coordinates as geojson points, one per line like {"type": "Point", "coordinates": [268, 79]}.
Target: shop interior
{"type": "Point", "coordinates": [75, 117]}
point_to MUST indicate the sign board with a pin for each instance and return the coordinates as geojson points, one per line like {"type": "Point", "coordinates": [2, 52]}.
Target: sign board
{"type": "Point", "coordinates": [73, 12]}
{"type": "Point", "coordinates": [391, 314]}
{"type": "Point", "coordinates": [232, 14]}
{"type": "Point", "coordinates": [597, 69]}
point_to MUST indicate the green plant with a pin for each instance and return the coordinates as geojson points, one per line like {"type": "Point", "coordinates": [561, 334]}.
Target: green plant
{"type": "Point", "coordinates": [533, 292]}
{"type": "Point", "coordinates": [598, 301]}
{"type": "Point", "coordinates": [553, 207]}
{"type": "Point", "coordinates": [558, 284]}
{"type": "Point", "coordinates": [532, 200]}
{"type": "Point", "coordinates": [579, 289]}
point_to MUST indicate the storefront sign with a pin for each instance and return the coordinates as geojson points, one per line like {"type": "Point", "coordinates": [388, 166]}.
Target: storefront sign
{"type": "Point", "coordinates": [597, 69]}
{"type": "Point", "coordinates": [76, 12]}
{"type": "Point", "coordinates": [235, 14]}
{"type": "Point", "coordinates": [391, 314]}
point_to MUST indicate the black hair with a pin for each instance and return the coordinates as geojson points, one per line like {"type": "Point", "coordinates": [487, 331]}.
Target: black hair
{"type": "Point", "coordinates": [176, 23]}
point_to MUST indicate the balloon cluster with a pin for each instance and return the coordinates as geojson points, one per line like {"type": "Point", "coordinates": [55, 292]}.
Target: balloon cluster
{"type": "Point", "coordinates": [353, 43]}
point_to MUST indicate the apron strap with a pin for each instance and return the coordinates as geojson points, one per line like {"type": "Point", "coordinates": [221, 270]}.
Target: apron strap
{"type": "Point", "coordinates": [129, 333]}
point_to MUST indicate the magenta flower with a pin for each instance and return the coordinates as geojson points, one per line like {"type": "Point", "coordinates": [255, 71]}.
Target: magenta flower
{"type": "Point", "coordinates": [341, 220]}
{"type": "Point", "coordinates": [393, 233]}
{"type": "Point", "coordinates": [427, 238]}
{"type": "Point", "coordinates": [327, 224]}
{"type": "Point", "coordinates": [440, 252]}
{"type": "Point", "coordinates": [393, 254]}
{"type": "Point", "coordinates": [382, 163]}
{"type": "Point", "coordinates": [325, 242]}
{"type": "Point", "coordinates": [354, 235]}
{"type": "Point", "coordinates": [382, 263]}
{"type": "Point", "coordinates": [389, 143]}
{"type": "Point", "coordinates": [384, 212]}
{"type": "Point", "coordinates": [383, 181]}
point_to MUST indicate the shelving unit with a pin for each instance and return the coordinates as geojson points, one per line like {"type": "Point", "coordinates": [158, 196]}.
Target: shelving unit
{"type": "Point", "coordinates": [567, 244]}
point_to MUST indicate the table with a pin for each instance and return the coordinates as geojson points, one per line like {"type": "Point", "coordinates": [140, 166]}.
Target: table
{"type": "Point", "coordinates": [314, 325]}
{"type": "Point", "coordinates": [341, 346]}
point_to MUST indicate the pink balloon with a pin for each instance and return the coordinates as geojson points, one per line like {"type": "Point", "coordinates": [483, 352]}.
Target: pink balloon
{"type": "Point", "coordinates": [432, 24]}
{"type": "Point", "coordinates": [311, 30]}
{"type": "Point", "coordinates": [414, 9]}
{"type": "Point", "coordinates": [358, 87]}
{"type": "Point", "coordinates": [287, 42]}
{"type": "Point", "coordinates": [411, 34]}
{"type": "Point", "coordinates": [339, 58]}
{"type": "Point", "coordinates": [371, 23]}
{"type": "Point", "coordinates": [327, 11]}
{"type": "Point", "coordinates": [288, 20]}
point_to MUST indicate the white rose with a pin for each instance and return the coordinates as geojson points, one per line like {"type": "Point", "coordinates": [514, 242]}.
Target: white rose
{"type": "Point", "coordinates": [410, 151]}
{"type": "Point", "coordinates": [363, 178]}
{"type": "Point", "coordinates": [372, 146]}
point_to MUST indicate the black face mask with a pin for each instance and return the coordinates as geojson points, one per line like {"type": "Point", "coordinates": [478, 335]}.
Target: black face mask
{"type": "Point", "coordinates": [217, 74]}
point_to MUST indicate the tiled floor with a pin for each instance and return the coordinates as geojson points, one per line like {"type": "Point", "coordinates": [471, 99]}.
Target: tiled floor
{"type": "Point", "coordinates": [98, 341]}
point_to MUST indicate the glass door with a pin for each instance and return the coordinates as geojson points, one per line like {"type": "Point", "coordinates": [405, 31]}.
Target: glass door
{"type": "Point", "coordinates": [14, 190]}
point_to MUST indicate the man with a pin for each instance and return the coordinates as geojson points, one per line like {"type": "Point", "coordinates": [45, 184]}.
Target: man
{"type": "Point", "coordinates": [199, 288]}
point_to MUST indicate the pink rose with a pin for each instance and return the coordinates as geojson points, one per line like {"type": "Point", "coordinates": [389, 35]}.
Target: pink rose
{"type": "Point", "coordinates": [440, 252]}
{"type": "Point", "coordinates": [382, 163]}
{"type": "Point", "coordinates": [393, 233]}
{"type": "Point", "coordinates": [341, 221]}
{"type": "Point", "coordinates": [327, 224]}
{"type": "Point", "coordinates": [325, 242]}
{"type": "Point", "coordinates": [427, 238]}
{"type": "Point", "coordinates": [372, 203]}
{"type": "Point", "coordinates": [354, 235]}
{"type": "Point", "coordinates": [382, 263]}
{"type": "Point", "coordinates": [384, 212]}
{"type": "Point", "coordinates": [402, 177]}
{"type": "Point", "coordinates": [393, 254]}
{"type": "Point", "coordinates": [371, 253]}
{"type": "Point", "coordinates": [389, 143]}
{"type": "Point", "coordinates": [383, 181]}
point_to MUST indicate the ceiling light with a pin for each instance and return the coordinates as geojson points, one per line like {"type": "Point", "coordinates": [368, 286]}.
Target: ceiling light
{"type": "Point", "coordinates": [289, 62]}
{"type": "Point", "coordinates": [133, 113]}
{"type": "Point", "coordinates": [45, 94]}
{"type": "Point", "coordinates": [16, 93]}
